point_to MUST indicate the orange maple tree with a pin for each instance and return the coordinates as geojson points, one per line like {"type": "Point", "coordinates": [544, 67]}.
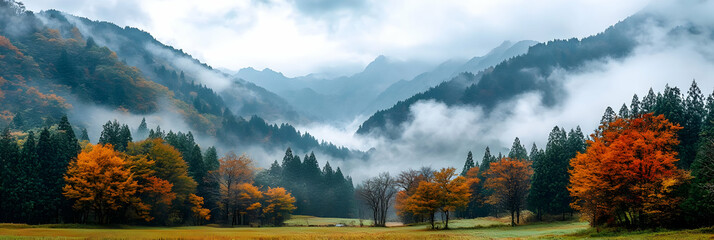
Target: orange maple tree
{"type": "Point", "coordinates": [510, 181]}
{"type": "Point", "coordinates": [99, 181]}
{"type": "Point", "coordinates": [628, 173]}
{"type": "Point", "coordinates": [445, 192]}
{"type": "Point", "coordinates": [278, 204]}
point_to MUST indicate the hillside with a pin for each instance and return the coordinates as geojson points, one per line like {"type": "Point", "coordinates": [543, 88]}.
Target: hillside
{"type": "Point", "coordinates": [404, 89]}
{"type": "Point", "coordinates": [530, 72]}
{"type": "Point", "coordinates": [50, 66]}
{"type": "Point", "coordinates": [190, 80]}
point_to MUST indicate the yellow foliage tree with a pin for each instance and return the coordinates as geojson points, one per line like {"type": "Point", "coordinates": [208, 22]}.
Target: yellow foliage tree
{"type": "Point", "coordinates": [278, 204]}
{"type": "Point", "coordinates": [98, 181]}
{"type": "Point", "coordinates": [199, 213]}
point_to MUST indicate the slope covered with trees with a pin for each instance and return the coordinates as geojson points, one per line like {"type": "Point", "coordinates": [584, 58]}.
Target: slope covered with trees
{"type": "Point", "coordinates": [525, 73]}
{"type": "Point", "coordinates": [49, 63]}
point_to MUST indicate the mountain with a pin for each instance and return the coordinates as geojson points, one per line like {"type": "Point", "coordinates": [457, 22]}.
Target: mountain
{"type": "Point", "coordinates": [336, 99]}
{"type": "Point", "coordinates": [55, 64]}
{"type": "Point", "coordinates": [525, 73]}
{"type": "Point", "coordinates": [445, 71]}
{"type": "Point", "coordinates": [189, 79]}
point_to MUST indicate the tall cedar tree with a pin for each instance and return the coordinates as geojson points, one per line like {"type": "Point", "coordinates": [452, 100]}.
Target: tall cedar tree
{"type": "Point", "coordinates": [468, 164]}
{"type": "Point", "coordinates": [700, 203]}
{"type": "Point", "coordinates": [518, 151]}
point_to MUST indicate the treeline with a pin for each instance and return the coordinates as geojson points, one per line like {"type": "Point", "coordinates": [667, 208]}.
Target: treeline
{"type": "Point", "coordinates": [649, 165]}
{"type": "Point", "coordinates": [325, 193]}
{"type": "Point", "coordinates": [166, 179]}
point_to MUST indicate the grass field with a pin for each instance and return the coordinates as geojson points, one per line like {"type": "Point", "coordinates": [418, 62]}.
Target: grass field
{"type": "Point", "coordinates": [481, 228]}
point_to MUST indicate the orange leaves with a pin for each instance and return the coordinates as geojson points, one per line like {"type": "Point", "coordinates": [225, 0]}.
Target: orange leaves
{"type": "Point", "coordinates": [446, 192]}
{"type": "Point", "coordinates": [628, 168]}
{"type": "Point", "coordinates": [98, 180]}
{"type": "Point", "coordinates": [278, 204]}
{"type": "Point", "coordinates": [199, 213]}
{"type": "Point", "coordinates": [509, 179]}
{"type": "Point", "coordinates": [4, 42]}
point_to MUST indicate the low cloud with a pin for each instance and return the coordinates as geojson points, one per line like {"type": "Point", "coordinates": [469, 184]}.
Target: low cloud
{"type": "Point", "coordinates": [441, 135]}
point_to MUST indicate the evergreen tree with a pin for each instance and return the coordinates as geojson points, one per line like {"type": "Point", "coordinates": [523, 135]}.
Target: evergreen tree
{"type": "Point", "coordinates": [671, 105]}
{"type": "Point", "coordinates": [487, 160]}
{"type": "Point", "coordinates": [700, 202]}
{"type": "Point", "coordinates": [142, 132]}
{"type": "Point", "coordinates": [535, 198]}
{"type": "Point", "coordinates": [469, 163]}
{"type": "Point", "coordinates": [609, 116]}
{"type": "Point", "coordinates": [649, 102]}
{"type": "Point", "coordinates": [28, 188]}
{"type": "Point", "coordinates": [84, 136]}
{"type": "Point", "coordinates": [115, 134]}
{"type": "Point", "coordinates": [518, 151]}
{"type": "Point", "coordinates": [11, 178]}
{"type": "Point", "coordinates": [212, 188]}
{"type": "Point", "coordinates": [694, 114]}
{"type": "Point", "coordinates": [624, 112]}
{"type": "Point", "coordinates": [635, 106]}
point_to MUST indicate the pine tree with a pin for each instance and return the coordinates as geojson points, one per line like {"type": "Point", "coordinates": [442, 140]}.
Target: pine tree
{"type": "Point", "coordinates": [10, 177]}
{"type": "Point", "coordinates": [649, 102]}
{"type": "Point", "coordinates": [536, 203]}
{"type": "Point", "coordinates": [609, 116]}
{"type": "Point", "coordinates": [84, 136]}
{"type": "Point", "coordinates": [518, 151]}
{"type": "Point", "coordinates": [469, 163]}
{"type": "Point", "coordinates": [700, 203]}
{"type": "Point", "coordinates": [142, 132]}
{"type": "Point", "coordinates": [624, 112]}
{"type": "Point", "coordinates": [694, 114]}
{"type": "Point", "coordinates": [48, 202]}
{"type": "Point", "coordinates": [487, 160]}
{"type": "Point", "coordinates": [635, 106]}
{"type": "Point", "coordinates": [28, 188]}
{"type": "Point", "coordinates": [212, 188]}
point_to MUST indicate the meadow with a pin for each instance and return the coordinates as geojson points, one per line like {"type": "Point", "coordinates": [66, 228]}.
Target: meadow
{"type": "Point", "coordinates": [480, 228]}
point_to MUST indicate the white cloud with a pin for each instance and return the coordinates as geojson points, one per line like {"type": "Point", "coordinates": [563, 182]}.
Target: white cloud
{"type": "Point", "coordinates": [298, 37]}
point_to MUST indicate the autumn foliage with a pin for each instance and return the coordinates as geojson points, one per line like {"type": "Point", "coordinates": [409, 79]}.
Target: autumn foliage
{"type": "Point", "coordinates": [100, 182]}
{"type": "Point", "coordinates": [509, 179]}
{"type": "Point", "coordinates": [628, 175]}
{"type": "Point", "coordinates": [445, 192]}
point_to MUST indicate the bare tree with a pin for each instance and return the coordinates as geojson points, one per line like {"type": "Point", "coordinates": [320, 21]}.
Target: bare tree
{"type": "Point", "coordinates": [378, 193]}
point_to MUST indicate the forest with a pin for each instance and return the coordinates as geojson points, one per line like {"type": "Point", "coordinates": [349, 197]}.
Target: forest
{"type": "Point", "coordinates": [648, 165]}
{"type": "Point", "coordinates": [159, 179]}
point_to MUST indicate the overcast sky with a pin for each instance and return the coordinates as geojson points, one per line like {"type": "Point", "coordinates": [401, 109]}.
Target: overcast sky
{"type": "Point", "coordinates": [341, 37]}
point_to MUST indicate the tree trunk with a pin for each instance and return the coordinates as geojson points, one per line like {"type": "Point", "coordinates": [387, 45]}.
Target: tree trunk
{"type": "Point", "coordinates": [446, 223]}
{"type": "Point", "coordinates": [518, 216]}
{"type": "Point", "coordinates": [513, 220]}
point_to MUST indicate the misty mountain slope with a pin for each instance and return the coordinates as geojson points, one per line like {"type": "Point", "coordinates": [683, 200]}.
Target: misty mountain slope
{"type": "Point", "coordinates": [530, 72]}
{"type": "Point", "coordinates": [445, 71]}
{"type": "Point", "coordinates": [40, 68]}
{"type": "Point", "coordinates": [339, 98]}
{"type": "Point", "coordinates": [45, 69]}
{"type": "Point", "coordinates": [208, 90]}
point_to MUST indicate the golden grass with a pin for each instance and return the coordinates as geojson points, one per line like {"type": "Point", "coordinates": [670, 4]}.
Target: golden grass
{"type": "Point", "coordinates": [467, 229]}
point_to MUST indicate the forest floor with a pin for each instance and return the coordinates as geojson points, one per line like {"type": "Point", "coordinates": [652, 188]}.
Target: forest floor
{"type": "Point", "coordinates": [480, 228]}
